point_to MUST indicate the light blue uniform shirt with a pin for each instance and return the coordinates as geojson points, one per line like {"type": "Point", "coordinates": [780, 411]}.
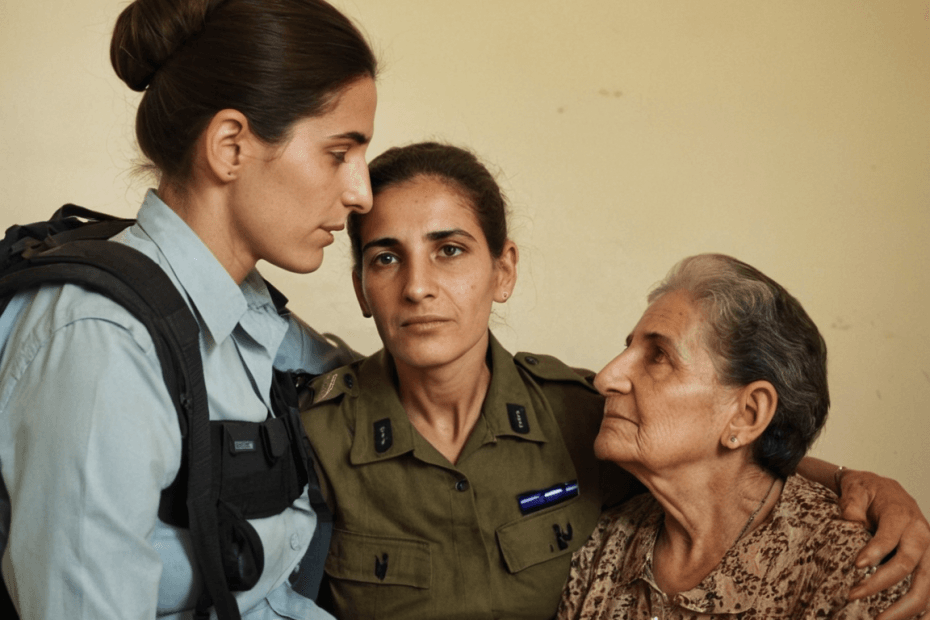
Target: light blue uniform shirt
{"type": "Point", "coordinates": [89, 437]}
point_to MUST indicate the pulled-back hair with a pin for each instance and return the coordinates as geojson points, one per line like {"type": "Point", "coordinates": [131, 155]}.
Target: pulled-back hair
{"type": "Point", "coordinates": [275, 61]}
{"type": "Point", "coordinates": [458, 168]}
{"type": "Point", "coordinates": [755, 330]}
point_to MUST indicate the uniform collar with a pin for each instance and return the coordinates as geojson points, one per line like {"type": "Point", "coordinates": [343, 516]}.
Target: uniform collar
{"type": "Point", "coordinates": [507, 391]}
{"type": "Point", "coordinates": [218, 301]}
{"type": "Point", "coordinates": [378, 406]}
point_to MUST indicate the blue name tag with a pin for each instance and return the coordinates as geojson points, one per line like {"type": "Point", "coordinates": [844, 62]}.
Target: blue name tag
{"type": "Point", "coordinates": [537, 500]}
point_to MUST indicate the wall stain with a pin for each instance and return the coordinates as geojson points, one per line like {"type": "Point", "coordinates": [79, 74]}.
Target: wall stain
{"type": "Point", "coordinates": [840, 324]}
{"type": "Point", "coordinates": [610, 93]}
{"type": "Point", "coordinates": [926, 375]}
{"type": "Point", "coordinates": [879, 394]}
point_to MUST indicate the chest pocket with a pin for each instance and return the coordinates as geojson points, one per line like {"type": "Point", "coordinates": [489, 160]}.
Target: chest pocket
{"type": "Point", "coordinates": [379, 559]}
{"type": "Point", "coordinates": [547, 535]}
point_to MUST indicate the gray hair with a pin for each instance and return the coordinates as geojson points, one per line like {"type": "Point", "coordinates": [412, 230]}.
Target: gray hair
{"type": "Point", "coordinates": [755, 330]}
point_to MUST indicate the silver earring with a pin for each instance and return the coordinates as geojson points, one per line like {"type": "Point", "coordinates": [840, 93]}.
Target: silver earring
{"type": "Point", "coordinates": [732, 438]}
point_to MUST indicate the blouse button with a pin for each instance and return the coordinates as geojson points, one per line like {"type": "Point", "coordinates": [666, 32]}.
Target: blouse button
{"type": "Point", "coordinates": [295, 542]}
{"type": "Point", "coordinates": [461, 486]}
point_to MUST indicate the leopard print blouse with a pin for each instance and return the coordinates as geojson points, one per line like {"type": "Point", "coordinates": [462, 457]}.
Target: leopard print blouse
{"type": "Point", "coordinates": [798, 564]}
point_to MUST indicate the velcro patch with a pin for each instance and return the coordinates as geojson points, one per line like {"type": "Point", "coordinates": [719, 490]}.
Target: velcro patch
{"type": "Point", "coordinates": [533, 501]}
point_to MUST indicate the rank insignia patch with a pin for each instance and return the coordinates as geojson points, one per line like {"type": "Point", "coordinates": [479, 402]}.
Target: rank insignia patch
{"type": "Point", "coordinates": [518, 420]}
{"type": "Point", "coordinates": [384, 438]}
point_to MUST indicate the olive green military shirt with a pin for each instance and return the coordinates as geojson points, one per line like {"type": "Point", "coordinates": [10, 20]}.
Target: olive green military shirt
{"type": "Point", "coordinates": [489, 537]}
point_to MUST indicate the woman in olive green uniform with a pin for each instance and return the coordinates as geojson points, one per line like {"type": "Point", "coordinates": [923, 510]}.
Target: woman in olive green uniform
{"type": "Point", "coordinates": [418, 536]}
{"type": "Point", "coordinates": [465, 495]}
{"type": "Point", "coordinates": [461, 477]}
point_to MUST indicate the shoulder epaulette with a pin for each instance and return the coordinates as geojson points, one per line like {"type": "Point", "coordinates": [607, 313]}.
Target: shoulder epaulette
{"type": "Point", "coordinates": [550, 368]}
{"type": "Point", "coordinates": [332, 385]}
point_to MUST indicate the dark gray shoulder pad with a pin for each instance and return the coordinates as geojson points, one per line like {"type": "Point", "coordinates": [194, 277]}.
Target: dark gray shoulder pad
{"type": "Point", "coordinates": [332, 385]}
{"type": "Point", "coordinates": [549, 368]}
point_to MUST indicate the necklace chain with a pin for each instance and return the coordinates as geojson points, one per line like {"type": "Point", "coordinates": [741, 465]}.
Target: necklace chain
{"type": "Point", "coordinates": [752, 517]}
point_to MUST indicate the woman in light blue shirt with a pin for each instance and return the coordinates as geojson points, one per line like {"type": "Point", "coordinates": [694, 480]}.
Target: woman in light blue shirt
{"type": "Point", "coordinates": [256, 115]}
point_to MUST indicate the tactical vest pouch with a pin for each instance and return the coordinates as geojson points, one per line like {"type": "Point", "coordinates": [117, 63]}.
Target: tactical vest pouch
{"type": "Point", "coordinates": [241, 549]}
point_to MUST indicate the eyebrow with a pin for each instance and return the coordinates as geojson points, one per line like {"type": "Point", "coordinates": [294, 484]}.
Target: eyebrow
{"type": "Point", "coordinates": [437, 235]}
{"type": "Point", "coordinates": [355, 136]}
{"type": "Point", "coordinates": [655, 337]}
{"type": "Point", "coordinates": [383, 242]}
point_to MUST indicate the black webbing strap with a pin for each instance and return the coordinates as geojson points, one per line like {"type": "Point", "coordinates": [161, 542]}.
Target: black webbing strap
{"type": "Point", "coordinates": [135, 282]}
{"type": "Point", "coordinates": [65, 225]}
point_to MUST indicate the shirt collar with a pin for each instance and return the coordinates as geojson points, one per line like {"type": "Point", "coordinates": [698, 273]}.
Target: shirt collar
{"type": "Point", "coordinates": [724, 590]}
{"type": "Point", "coordinates": [507, 392]}
{"type": "Point", "coordinates": [378, 401]}
{"type": "Point", "coordinates": [218, 301]}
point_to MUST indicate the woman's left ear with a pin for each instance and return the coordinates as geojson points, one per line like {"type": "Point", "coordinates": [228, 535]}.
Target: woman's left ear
{"type": "Point", "coordinates": [225, 140]}
{"type": "Point", "coordinates": [506, 272]}
{"type": "Point", "coordinates": [756, 407]}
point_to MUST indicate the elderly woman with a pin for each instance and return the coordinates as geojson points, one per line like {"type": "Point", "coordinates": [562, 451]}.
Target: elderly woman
{"type": "Point", "coordinates": [461, 476]}
{"type": "Point", "coordinates": [719, 394]}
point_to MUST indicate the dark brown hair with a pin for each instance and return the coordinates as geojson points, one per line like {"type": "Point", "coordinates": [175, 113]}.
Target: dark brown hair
{"type": "Point", "coordinates": [275, 61]}
{"type": "Point", "coordinates": [459, 168]}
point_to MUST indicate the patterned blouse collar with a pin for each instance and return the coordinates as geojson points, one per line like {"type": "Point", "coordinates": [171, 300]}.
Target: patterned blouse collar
{"type": "Point", "coordinates": [733, 586]}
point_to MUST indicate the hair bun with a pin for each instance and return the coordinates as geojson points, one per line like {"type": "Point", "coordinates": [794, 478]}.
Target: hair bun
{"type": "Point", "coordinates": [148, 32]}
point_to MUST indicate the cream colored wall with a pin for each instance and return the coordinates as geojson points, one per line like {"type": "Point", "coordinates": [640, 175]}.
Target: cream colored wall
{"type": "Point", "coordinates": [793, 135]}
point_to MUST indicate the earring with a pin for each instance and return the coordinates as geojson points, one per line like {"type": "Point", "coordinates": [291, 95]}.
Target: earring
{"type": "Point", "coordinates": [506, 295]}
{"type": "Point", "coordinates": [733, 439]}
{"type": "Point", "coordinates": [367, 315]}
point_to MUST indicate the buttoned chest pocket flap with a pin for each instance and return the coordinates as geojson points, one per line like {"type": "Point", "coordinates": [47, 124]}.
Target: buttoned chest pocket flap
{"type": "Point", "coordinates": [546, 535]}
{"type": "Point", "coordinates": [385, 560]}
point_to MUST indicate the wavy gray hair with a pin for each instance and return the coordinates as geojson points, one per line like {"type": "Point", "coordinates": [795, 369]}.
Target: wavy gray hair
{"type": "Point", "coordinates": [755, 330]}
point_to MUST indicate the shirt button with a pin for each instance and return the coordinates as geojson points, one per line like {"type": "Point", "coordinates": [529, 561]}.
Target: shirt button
{"type": "Point", "coordinates": [295, 542]}
{"type": "Point", "coordinates": [461, 486]}
{"type": "Point", "coordinates": [349, 381]}
{"type": "Point", "coordinates": [531, 360]}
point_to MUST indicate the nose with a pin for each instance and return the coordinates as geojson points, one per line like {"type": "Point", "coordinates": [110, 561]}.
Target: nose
{"type": "Point", "coordinates": [614, 378]}
{"type": "Point", "coordinates": [357, 195]}
{"type": "Point", "coordinates": [419, 281]}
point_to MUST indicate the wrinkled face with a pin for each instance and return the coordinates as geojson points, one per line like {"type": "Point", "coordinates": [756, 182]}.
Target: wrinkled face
{"type": "Point", "coordinates": [427, 275]}
{"type": "Point", "coordinates": [665, 407]}
{"type": "Point", "coordinates": [288, 204]}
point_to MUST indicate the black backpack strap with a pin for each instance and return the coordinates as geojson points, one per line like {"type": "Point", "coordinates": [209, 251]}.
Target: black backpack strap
{"type": "Point", "coordinates": [134, 281]}
{"type": "Point", "coordinates": [69, 223]}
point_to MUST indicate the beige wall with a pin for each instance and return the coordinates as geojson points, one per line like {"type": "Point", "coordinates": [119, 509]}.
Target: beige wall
{"type": "Point", "coordinates": [793, 135]}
